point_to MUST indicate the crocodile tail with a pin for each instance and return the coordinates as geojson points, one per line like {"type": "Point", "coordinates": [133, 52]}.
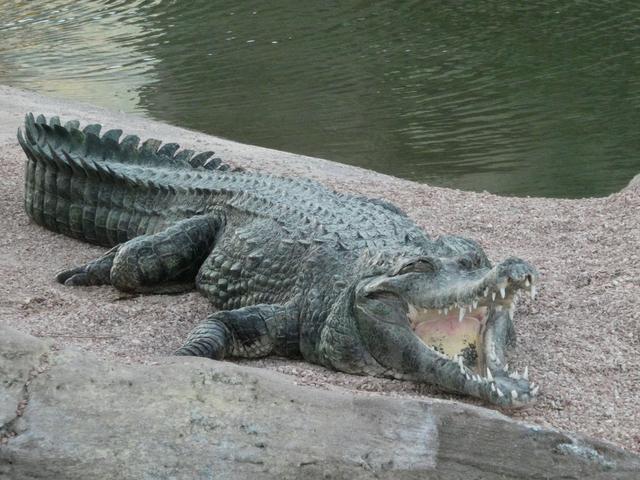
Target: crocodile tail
{"type": "Point", "coordinates": [108, 147]}
{"type": "Point", "coordinates": [71, 190]}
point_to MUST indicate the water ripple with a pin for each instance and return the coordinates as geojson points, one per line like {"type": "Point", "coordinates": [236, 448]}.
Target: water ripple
{"type": "Point", "coordinates": [527, 98]}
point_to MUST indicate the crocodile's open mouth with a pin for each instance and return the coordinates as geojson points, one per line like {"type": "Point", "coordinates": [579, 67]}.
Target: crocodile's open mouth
{"type": "Point", "coordinates": [475, 336]}
{"type": "Point", "coordinates": [463, 320]}
{"type": "Point", "coordinates": [453, 332]}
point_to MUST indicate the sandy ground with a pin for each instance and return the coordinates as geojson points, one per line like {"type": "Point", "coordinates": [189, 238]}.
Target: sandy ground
{"type": "Point", "coordinates": [580, 338]}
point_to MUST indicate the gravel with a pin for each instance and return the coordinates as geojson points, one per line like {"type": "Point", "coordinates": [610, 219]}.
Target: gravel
{"type": "Point", "coordinates": [580, 337]}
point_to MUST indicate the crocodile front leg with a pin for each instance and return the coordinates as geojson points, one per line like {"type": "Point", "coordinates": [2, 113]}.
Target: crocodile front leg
{"type": "Point", "coordinates": [165, 262]}
{"type": "Point", "coordinates": [249, 332]}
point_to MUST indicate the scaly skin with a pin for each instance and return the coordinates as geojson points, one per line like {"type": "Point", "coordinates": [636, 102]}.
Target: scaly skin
{"type": "Point", "coordinates": [294, 269]}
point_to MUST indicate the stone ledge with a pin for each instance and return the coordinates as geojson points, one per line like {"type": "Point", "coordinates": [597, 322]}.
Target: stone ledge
{"type": "Point", "coordinates": [190, 418]}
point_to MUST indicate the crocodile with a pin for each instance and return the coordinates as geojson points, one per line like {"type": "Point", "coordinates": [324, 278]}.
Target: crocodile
{"type": "Point", "coordinates": [291, 267]}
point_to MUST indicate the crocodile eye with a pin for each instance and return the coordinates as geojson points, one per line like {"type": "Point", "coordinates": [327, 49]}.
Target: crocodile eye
{"type": "Point", "coordinates": [419, 265]}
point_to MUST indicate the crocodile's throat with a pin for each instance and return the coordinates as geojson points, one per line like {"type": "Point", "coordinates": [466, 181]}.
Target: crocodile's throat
{"type": "Point", "coordinates": [452, 333]}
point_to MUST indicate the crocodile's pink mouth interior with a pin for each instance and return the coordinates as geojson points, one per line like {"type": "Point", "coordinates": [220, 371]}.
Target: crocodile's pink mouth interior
{"type": "Point", "coordinates": [452, 334]}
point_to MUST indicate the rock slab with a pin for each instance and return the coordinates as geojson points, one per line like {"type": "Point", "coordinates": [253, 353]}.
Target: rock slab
{"type": "Point", "coordinates": [68, 415]}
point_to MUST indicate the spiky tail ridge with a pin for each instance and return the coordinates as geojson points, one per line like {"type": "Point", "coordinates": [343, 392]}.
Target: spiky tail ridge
{"type": "Point", "coordinates": [71, 187]}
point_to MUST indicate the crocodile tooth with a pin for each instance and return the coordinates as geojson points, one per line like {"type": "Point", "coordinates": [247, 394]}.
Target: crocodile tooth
{"type": "Point", "coordinates": [489, 376]}
{"type": "Point", "coordinates": [467, 376]}
{"type": "Point", "coordinates": [506, 367]}
{"type": "Point", "coordinates": [461, 363]}
{"type": "Point", "coordinates": [461, 314]}
{"type": "Point", "coordinates": [527, 283]}
{"type": "Point", "coordinates": [475, 304]}
{"type": "Point", "coordinates": [493, 296]}
{"type": "Point", "coordinates": [533, 292]}
{"type": "Point", "coordinates": [525, 374]}
{"type": "Point", "coordinates": [486, 292]}
{"type": "Point", "coordinates": [515, 375]}
{"type": "Point", "coordinates": [499, 392]}
{"type": "Point", "coordinates": [535, 390]}
{"type": "Point", "coordinates": [493, 387]}
{"type": "Point", "coordinates": [503, 292]}
{"type": "Point", "coordinates": [514, 394]}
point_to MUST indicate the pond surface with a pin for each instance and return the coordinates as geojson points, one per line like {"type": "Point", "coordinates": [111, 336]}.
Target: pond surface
{"type": "Point", "coordinates": [525, 98]}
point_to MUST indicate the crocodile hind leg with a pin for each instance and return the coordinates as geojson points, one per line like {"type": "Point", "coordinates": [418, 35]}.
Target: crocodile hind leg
{"type": "Point", "coordinates": [95, 272]}
{"type": "Point", "coordinates": [248, 332]}
{"type": "Point", "coordinates": [165, 262]}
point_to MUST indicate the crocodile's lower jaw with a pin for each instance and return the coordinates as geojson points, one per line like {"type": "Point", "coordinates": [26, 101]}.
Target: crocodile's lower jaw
{"type": "Point", "coordinates": [452, 334]}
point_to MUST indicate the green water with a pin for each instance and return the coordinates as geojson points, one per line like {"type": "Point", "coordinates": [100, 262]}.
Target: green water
{"type": "Point", "coordinates": [526, 98]}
